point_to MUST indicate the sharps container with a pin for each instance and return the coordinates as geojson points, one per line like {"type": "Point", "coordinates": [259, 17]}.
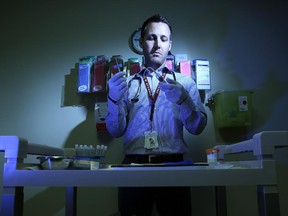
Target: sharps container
{"type": "Point", "coordinates": [231, 108]}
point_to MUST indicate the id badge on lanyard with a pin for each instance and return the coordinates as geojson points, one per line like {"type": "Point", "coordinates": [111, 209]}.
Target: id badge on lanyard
{"type": "Point", "coordinates": [151, 141]}
{"type": "Point", "coordinates": [151, 136]}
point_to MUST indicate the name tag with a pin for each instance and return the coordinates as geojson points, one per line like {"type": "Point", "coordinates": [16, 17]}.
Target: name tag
{"type": "Point", "coordinates": [151, 141]}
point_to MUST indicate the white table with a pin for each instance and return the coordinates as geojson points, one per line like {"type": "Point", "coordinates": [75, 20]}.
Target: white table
{"type": "Point", "coordinates": [261, 172]}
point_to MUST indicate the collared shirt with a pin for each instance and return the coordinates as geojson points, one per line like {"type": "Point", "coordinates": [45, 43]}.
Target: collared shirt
{"type": "Point", "coordinates": [132, 118]}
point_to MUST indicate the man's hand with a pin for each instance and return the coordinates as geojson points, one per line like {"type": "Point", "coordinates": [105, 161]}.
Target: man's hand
{"type": "Point", "coordinates": [117, 86]}
{"type": "Point", "coordinates": [174, 91]}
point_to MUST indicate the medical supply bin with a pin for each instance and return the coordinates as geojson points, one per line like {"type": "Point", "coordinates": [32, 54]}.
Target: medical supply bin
{"type": "Point", "coordinates": [231, 108]}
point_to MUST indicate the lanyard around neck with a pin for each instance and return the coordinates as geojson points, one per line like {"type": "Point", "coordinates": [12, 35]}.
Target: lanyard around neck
{"type": "Point", "coordinates": [152, 97]}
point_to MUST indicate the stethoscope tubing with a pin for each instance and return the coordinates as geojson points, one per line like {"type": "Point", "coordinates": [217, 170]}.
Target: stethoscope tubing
{"type": "Point", "coordinates": [138, 77]}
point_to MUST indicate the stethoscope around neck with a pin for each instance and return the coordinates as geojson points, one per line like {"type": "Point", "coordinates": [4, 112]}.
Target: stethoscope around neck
{"type": "Point", "coordinates": [138, 77]}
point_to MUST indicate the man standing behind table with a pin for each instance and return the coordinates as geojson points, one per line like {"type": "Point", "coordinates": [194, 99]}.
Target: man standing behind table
{"type": "Point", "coordinates": [151, 108]}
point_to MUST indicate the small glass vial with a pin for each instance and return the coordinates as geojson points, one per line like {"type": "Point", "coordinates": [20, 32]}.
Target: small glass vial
{"type": "Point", "coordinates": [212, 155]}
{"type": "Point", "coordinates": [94, 164]}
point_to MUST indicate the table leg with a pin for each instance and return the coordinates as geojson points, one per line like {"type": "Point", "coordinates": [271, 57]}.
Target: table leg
{"type": "Point", "coordinates": [220, 197]}
{"type": "Point", "coordinates": [12, 201]}
{"type": "Point", "coordinates": [268, 200]}
{"type": "Point", "coordinates": [71, 201]}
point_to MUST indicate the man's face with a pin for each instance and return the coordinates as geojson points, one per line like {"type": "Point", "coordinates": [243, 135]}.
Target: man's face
{"type": "Point", "coordinates": [156, 44]}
